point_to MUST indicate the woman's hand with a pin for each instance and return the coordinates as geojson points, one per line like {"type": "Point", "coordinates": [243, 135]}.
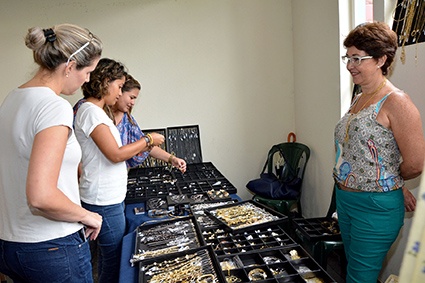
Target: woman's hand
{"type": "Point", "coordinates": [157, 139]}
{"type": "Point", "coordinates": [93, 223]}
{"type": "Point", "coordinates": [179, 164]}
{"type": "Point", "coordinates": [409, 200]}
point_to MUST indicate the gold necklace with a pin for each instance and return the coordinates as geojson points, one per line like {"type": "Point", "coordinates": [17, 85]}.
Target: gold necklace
{"type": "Point", "coordinates": [352, 115]}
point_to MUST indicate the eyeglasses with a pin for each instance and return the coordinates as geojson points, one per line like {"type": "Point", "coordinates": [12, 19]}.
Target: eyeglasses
{"type": "Point", "coordinates": [355, 60]}
{"type": "Point", "coordinates": [78, 51]}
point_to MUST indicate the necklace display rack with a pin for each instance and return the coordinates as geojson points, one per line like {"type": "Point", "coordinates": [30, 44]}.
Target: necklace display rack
{"type": "Point", "coordinates": [409, 24]}
{"type": "Point", "coordinates": [183, 141]}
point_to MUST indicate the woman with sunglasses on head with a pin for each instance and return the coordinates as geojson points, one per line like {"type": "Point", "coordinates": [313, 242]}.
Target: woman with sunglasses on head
{"type": "Point", "coordinates": [130, 131]}
{"type": "Point", "coordinates": [379, 143]}
{"type": "Point", "coordinates": [103, 182]}
{"type": "Point", "coordinates": [42, 235]}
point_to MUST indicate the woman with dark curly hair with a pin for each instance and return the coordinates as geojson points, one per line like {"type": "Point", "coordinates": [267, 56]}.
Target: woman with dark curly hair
{"type": "Point", "coordinates": [379, 143]}
{"type": "Point", "coordinates": [103, 181]}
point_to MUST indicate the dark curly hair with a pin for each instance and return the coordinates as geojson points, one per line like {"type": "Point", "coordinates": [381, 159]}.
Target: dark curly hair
{"type": "Point", "coordinates": [376, 39]}
{"type": "Point", "coordinates": [106, 71]}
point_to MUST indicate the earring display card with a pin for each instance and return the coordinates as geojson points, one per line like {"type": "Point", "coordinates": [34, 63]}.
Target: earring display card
{"type": "Point", "coordinates": [246, 215]}
{"type": "Point", "coordinates": [318, 229]}
{"type": "Point", "coordinates": [166, 237]}
{"type": "Point", "coordinates": [185, 142]}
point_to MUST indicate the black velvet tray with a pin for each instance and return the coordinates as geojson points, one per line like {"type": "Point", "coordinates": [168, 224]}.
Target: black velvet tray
{"type": "Point", "coordinates": [226, 243]}
{"type": "Point", "coordinates": [148, 246]}
{"type": "Point", "coordinates": [201, 178]}
{"type": "Point", "coordinates": [318, 229]}
{"type": "Point", "coordinates": [283, 264]}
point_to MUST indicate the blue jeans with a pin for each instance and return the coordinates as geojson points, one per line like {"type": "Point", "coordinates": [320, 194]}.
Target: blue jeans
{"type": "Point", "coordinates": [65, 259]}
{"type": "Point", "coordinates": [109, 240]}
{"type": "Point", "coordinates": [369, 223]}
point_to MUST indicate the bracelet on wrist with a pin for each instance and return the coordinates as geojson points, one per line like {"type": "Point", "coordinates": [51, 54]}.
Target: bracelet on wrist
{"type": "Point", "coordinates": [170, 159]}
{"type": "Point", "coordinates": [146, 140]}
{"type": "Point", "coordinates": [150, 139]}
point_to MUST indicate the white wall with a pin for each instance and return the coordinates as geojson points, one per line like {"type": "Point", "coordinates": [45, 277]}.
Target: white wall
{"type": "Point", "coordinates": [224, 65]}
{"type": "Point", "coordinates": [317, 102]}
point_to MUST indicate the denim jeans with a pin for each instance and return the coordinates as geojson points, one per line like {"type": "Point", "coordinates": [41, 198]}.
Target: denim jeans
{"type": "Point", "coordinates": [65, 259]}
{"type": "Point", "coordinates": [109, 240]}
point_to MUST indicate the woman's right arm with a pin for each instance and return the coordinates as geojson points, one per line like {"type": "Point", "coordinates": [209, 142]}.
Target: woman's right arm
{"type": "Point", "coordinates": [43, 195]}
{"type": "Point", "coordinates": [105, 141]}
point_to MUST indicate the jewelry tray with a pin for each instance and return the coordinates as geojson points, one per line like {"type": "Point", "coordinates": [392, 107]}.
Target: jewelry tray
{"type": "Point", "coordinates": [205, 221]}
{"type": "Point", "coordinates": [225, 243]}
{"type": "Point", "coordinates": [275, 265]}
{"type": "Point", "coordinates": [213, 262]}
{"type": "Point", "coordinates": [201, 178]}
{"type": "Point", "coordinates": [254, 207]}
{"type": "Point", "coordinates": [318, 229]}
{"type": "Point", "coordinates": [182, 229]}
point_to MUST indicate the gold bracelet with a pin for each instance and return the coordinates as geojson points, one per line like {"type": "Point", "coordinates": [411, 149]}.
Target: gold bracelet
{"type": "Point", "coordinates": [206, 278]}
{"type": "Point", "coordinates": [150, 139]}
{"type": "Point", "coordinates": [170, 159]}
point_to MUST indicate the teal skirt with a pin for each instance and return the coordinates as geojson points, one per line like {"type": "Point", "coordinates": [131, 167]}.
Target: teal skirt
{"type": "Point", "coordinates": [370, 223]}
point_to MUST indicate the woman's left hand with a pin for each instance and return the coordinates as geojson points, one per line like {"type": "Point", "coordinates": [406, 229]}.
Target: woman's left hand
{"type": "Point", "coordinates": [409, 200]}
{"type": "Point", "coordinates": [179, 164]}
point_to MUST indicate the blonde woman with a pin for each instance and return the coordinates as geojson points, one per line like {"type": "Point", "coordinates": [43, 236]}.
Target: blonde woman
{"type": "Point", "coordinates": [43, 227]}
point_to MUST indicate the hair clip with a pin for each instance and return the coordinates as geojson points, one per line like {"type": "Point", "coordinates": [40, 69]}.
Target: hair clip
{"type": "Point", "coordinates": [49, 34]}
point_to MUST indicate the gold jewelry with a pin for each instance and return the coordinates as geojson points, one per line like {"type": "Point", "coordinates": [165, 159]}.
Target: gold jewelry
{"type": "Point", "coordinates": [150, 139]}
{"type": "Point", "coordinates": [170, 159]}
{"type": "Point", "coordinates": [409, 29]}
{"type": "Point", "coordinates": [294, 254]}
{"type": "Point", "coordinates": [206, 278]}
{"type": "Point", "coordinates": [257, 274]}
{"type": "Point", "coordinates": [353, 115]}
{"type": "Point", "coordinates": [232, 279]}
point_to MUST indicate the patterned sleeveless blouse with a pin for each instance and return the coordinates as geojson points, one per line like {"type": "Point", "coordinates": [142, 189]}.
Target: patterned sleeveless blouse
{"type": "Point", "coordinates": [369, 160]}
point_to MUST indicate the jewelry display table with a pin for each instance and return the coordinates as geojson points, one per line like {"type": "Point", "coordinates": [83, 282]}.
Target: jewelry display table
{"type": "Point", "coordinates": [243, 241]}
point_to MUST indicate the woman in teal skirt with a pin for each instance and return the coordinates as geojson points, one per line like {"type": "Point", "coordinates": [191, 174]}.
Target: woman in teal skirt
{"type": "Point", "coordinates": [379, 143]}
